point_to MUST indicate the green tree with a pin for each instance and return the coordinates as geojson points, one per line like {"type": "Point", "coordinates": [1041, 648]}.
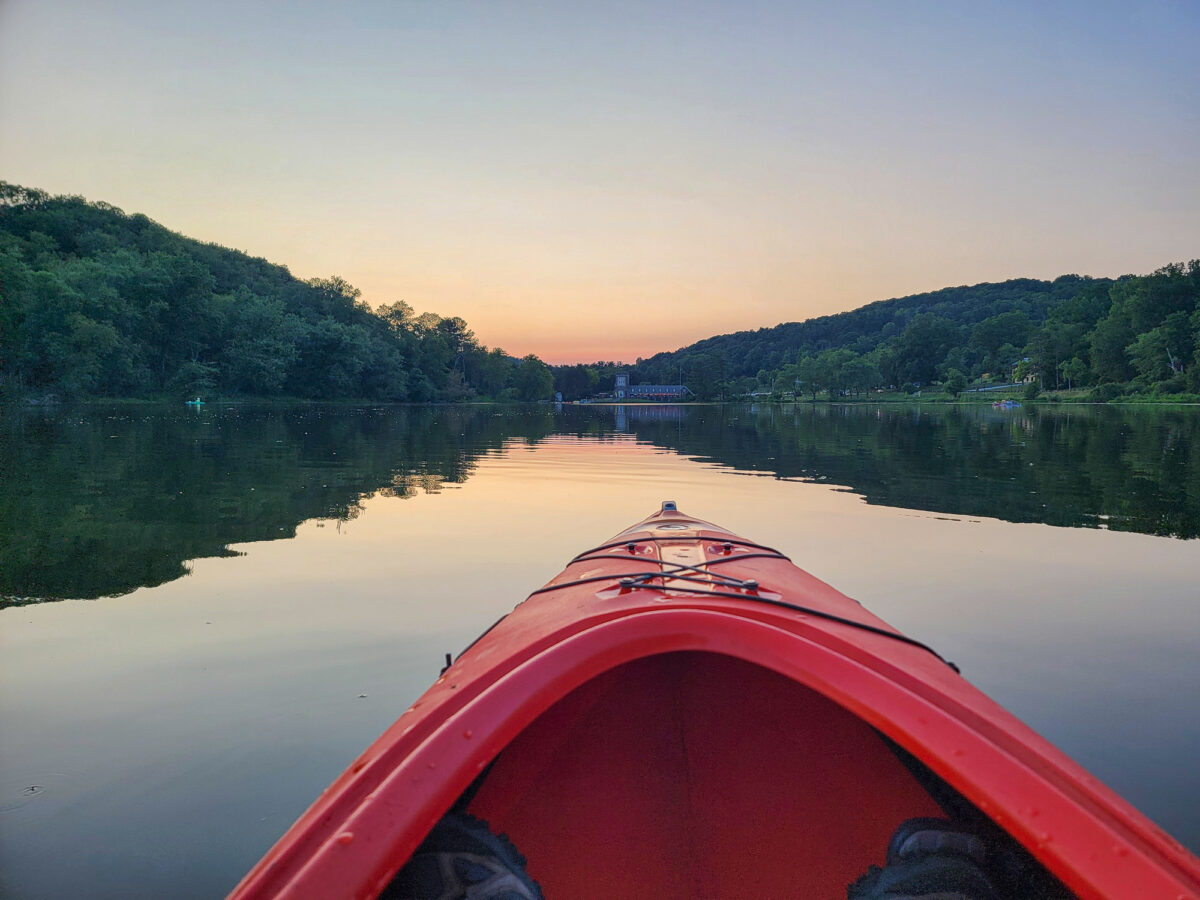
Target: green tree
{"type": "Point", "coordinates": [1075, 371]}
{"type": "Point", "coordinates": [457, 334]}
{"type": "Point", "coordinates": [1194, 372]}
{"type": "Point", "coordinates": [332, 355]}
{"type": "Point", "coordinates": [1148, 300]}
{"type": "Point", "coordinates": [1107, 343]}
{"type": "Point", "coordinates": [1006, 357]}
{"type": "Point", "coordinates": [955, 382]}
{"type": "Point", "coordinates": [336, 293]}
{"type": "Point", "coordinates": [923, 345]}
{"type": "Point", "coordinates": [811, 375]}
{"type": "Point", "coordinates": [576, 382]}
{"type": "Point", "coordinates": [788, 380]}
{"type": "Point", "coordinates": [993, 333]}
{"type": "Point", "coordinates": [488, 371]}
{"type": "Point", "coordinates": [532, 379]}
{"type": "Point", "coordinates": [706, 375]}
{"type": "Point", "coordinates": [1051, 345]}
{"type": "Point", "coordinates": [260, 343]}
{"type": "Point", "coordinates": [1161, 352]}
{"type": "Point", "coordinates": [399, 316]}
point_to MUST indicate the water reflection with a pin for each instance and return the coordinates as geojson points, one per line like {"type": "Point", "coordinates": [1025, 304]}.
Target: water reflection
{"type": "Point", "coordinates": [101, 501]}
{"type": "Point", "coordinates": [176, 731]}
{"type": "Point", "coordinates": [109, 500]}
{"type": "Point", "coordinates": [1124, 469]}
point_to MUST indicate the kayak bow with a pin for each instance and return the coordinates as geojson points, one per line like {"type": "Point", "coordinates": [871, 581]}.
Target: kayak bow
{"type": "Point", "coordinates": [684, 713]}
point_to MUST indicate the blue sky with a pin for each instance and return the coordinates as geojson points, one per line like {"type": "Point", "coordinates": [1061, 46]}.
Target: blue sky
{"type": "Point", "coordinates": [606, 180]}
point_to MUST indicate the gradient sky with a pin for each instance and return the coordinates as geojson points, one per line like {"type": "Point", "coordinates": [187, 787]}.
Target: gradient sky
{"type": "Point", "coordinates": [607, 180]}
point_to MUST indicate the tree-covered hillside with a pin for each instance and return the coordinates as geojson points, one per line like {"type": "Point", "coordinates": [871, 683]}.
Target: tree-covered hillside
{"type": "Point", "coordinates": [95, 302]}
{"type": "Point", "coordinates": [98, 303]}
{"type": "Point", "coordinates": [1132, 334]}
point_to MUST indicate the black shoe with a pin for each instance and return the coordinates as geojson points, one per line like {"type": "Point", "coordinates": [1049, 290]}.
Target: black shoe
{"type": "Point", "coordinates": [928, 859]}
{"type": "Point", "coordinates": [461, 858]}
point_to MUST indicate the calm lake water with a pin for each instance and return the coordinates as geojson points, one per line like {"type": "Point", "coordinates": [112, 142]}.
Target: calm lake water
{"type": "Point", "coordinates": [206, 614]}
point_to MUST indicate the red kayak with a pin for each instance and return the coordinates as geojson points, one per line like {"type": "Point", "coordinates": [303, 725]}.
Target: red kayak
{"type": "Point", "coordinates": [684, 713]}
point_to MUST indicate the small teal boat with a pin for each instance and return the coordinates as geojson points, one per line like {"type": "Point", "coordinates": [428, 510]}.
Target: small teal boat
{"type": "Point", "coordinates": [196, 402]}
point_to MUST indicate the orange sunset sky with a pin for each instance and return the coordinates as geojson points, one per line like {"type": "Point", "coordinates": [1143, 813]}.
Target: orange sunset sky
{"type": "Point", "coordinates": [604, 181]}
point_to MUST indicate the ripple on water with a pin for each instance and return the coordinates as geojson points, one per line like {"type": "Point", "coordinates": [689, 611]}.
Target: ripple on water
{"type": "Point", "coordinates": [17, 792]}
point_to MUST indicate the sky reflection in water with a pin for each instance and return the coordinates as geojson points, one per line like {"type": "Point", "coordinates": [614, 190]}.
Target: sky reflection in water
{"type": "Point", "coordinates": [176, 730]}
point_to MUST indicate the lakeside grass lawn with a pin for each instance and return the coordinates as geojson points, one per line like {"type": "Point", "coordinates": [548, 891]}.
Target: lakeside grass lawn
{"type": "Point", "coordinates": [986, 398]}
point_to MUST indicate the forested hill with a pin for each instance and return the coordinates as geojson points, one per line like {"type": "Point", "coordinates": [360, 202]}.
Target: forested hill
{"type": "Point", "coordinates": [864, 329]}
{"type": "Point", "coordinates": [95, 302]}
{"type": "Point", "coordinates": [1138, 334]}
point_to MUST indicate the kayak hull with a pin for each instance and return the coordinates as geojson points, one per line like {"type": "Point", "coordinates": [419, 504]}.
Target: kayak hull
{"type": "Point", "coordinates": [735, 727]}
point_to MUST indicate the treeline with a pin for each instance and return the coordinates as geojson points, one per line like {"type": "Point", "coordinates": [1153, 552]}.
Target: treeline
{"type": "Point", "coordinates": [575, 382]}
{"type": "Point", "coordinates": [1132, 335]}
{"type": "Point", "coordinates": [98, 303]}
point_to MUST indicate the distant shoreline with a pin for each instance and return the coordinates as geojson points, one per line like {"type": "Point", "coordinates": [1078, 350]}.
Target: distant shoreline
{"type": "Point", "coordinates": [1044, 400]}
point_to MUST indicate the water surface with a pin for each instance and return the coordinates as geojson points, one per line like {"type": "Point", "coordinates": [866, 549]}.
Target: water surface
{"type": "Point", "coordinates": [210, 613]}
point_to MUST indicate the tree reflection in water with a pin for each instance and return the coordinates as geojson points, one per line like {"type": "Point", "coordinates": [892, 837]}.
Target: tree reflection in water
{"type": "Point", "coordinates": [98, 501]}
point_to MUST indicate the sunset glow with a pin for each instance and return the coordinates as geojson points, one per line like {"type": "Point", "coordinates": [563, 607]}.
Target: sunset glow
{"type": "Point", "coordinates": [605, 182]}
